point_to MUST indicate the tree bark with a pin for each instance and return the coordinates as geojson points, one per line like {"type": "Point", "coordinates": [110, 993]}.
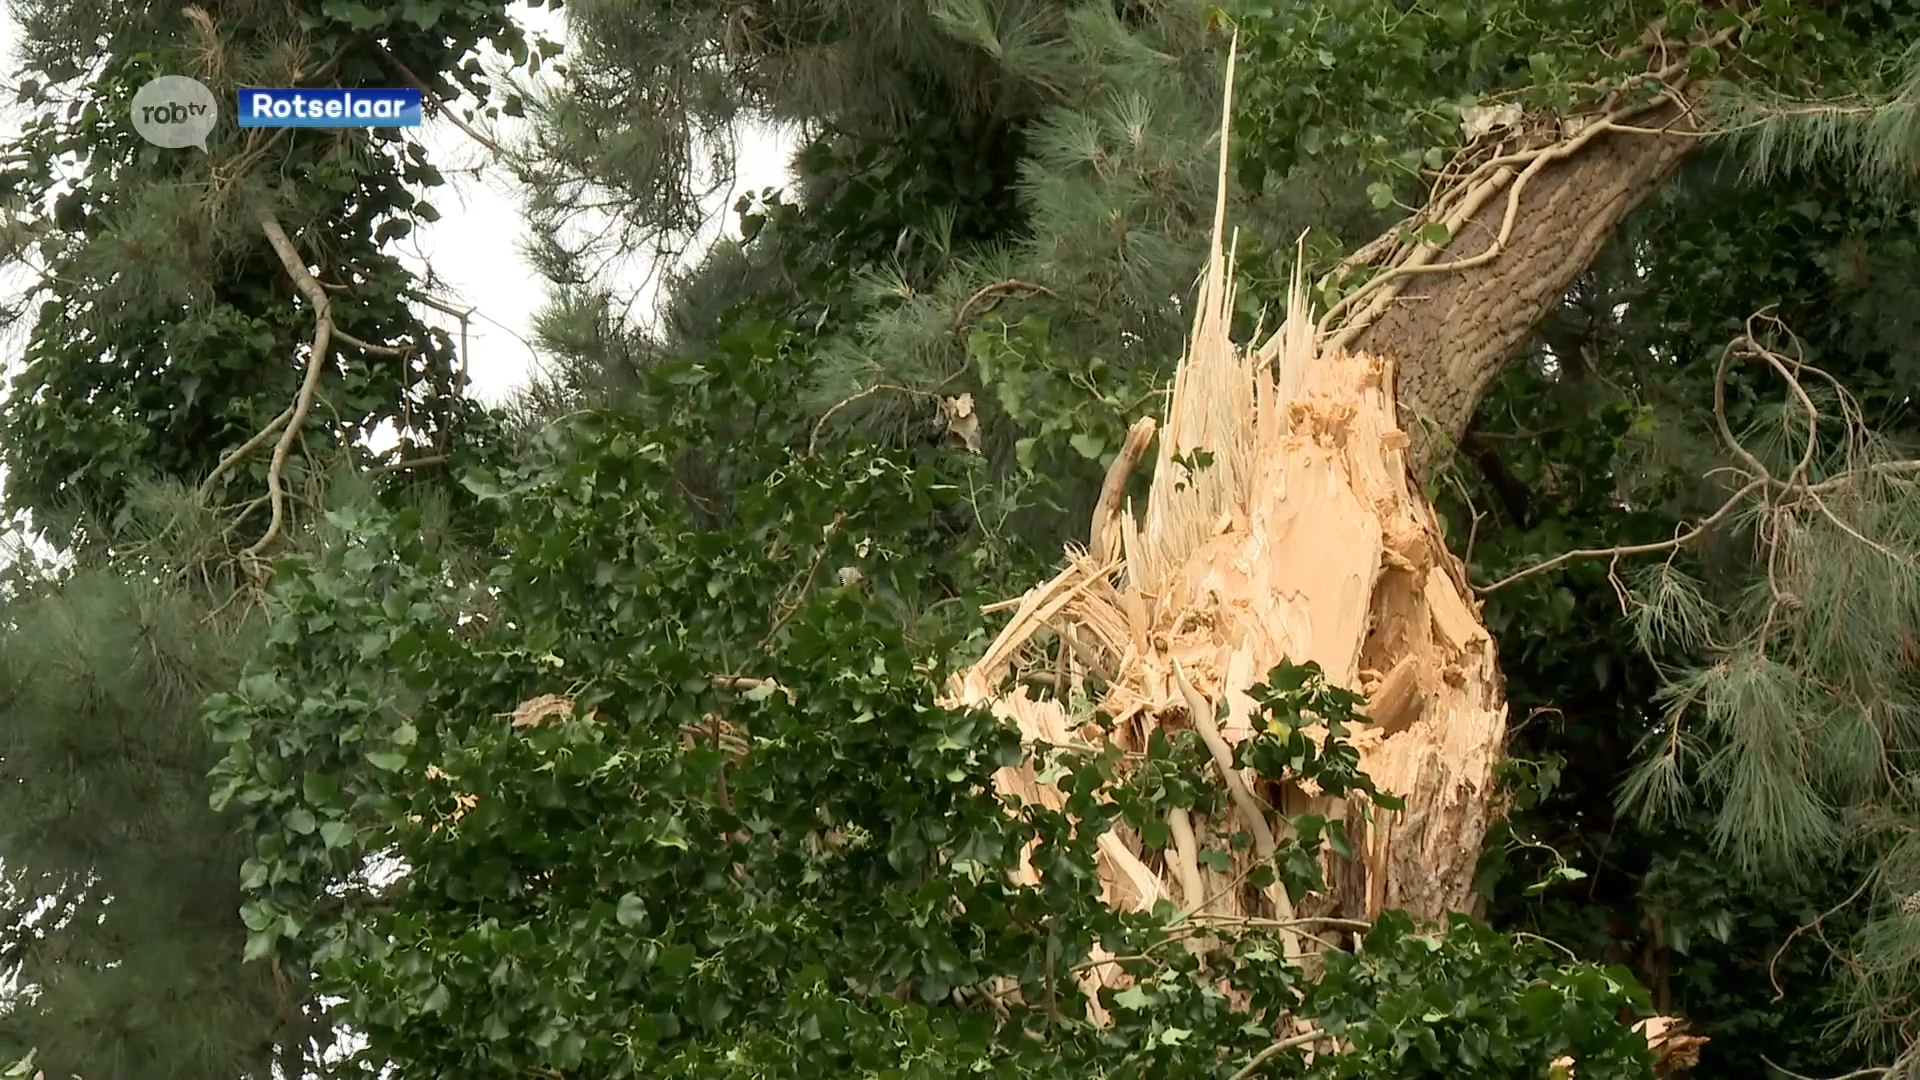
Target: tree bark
{"type": "Point", "coordinates": [1451, 334]}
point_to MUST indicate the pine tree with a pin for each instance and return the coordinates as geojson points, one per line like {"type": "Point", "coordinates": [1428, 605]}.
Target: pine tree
{"type": "Point", "coordinates": [214, 336]}
{"type": "Point", "coordinates": [892, 347]}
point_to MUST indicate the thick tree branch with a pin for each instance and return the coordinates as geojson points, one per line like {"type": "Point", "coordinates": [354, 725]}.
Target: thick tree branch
{"type": "Point", "coordinates": [1524, 219]}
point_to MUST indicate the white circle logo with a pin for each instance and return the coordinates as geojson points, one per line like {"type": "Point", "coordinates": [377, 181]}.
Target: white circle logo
{"type": "Point", "coordinates": [175, 111]}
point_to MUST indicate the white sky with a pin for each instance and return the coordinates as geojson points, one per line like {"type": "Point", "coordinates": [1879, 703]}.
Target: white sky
{"type": "Point", "coordinates": [473, 250]}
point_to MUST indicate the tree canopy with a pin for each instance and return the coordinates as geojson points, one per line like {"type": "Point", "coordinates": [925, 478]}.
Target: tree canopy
{"type": "Point", "coordinates": [607, 735]}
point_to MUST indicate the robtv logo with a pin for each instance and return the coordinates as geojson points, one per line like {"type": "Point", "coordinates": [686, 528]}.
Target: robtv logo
{"type": "Point", "coordinates": [174, 111]}
{"type": "Point", "coordinates": [329, 108]}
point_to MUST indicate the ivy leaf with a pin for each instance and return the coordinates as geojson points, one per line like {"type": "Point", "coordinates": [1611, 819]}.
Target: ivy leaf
{"type": "Point", "coordinates": [359, 15]}
{"type": "Point", "coordinates": [388, 760]}
{"type": "Point", "coordinates": [258, 946]}
{"type": "Point", "coordinates": [421, 13]}
{"type": "Point", "coordinates": [320, 789]}
{"type": "Point", "coordinates": [676, 960]}
{"type": "Point", "coordinates": [631, 912]}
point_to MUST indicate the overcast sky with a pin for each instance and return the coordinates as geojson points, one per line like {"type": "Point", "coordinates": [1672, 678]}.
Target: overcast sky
{"type": "Point", "coordinates": [473, 249]}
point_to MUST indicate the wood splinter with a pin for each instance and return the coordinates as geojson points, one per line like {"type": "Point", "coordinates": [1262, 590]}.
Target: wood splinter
{"type": "Point", "coordinates": [1397, 703]}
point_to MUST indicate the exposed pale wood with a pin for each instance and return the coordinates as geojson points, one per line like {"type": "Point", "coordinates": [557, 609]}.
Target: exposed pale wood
{"type": "Point", "coordinates": [1305, 541]}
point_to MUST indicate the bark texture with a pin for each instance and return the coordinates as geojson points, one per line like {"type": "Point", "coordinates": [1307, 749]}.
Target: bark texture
{"type": "Point", "coordinates": [1450, 334]}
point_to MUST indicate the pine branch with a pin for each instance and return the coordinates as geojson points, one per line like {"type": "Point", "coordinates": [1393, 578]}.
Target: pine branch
{"type": "Point", "coordinates": [1782, 496]}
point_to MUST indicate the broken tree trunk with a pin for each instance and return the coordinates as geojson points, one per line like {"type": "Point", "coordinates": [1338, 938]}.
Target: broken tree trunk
{"type": "Point", "coordinates": [1305, 540]}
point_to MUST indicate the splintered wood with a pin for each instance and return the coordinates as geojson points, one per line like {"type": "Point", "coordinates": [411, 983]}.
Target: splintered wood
{"type": "Point", "coordinates": [1302, 541]}
{"type": "Point", "coordinates": [1280, 525]}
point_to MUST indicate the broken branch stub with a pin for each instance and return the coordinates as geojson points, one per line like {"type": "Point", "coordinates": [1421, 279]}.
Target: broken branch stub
{"type": "Point", "coordinates": [1318, 550]}
{"type": "Point", "coordinates": [1304, 540]}
{"type": "Point", "coordinates": [1301, 540]}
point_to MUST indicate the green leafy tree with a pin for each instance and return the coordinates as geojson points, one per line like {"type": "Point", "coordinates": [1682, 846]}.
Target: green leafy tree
{"type": "Point", "coordinates": [1008, 199]}
{"type": "Point", "coordinates": [211, 337]}
{"type": "Point", "coordinates": [618, 864]}
{"type": "Point", "coordinates": [1599, 438]}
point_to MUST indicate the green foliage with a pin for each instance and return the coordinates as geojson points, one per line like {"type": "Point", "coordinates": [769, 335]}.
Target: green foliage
{"type": "Point", "coordinates": [1383, 85]}
{"type": "Point", "coordinates": [1006, 199]}
{"type": "Point", "coordinates": [1600, 439]}
{"type": "Point", "coordinates": [810, 875]}
{"type": "Point", "coordinates": [106, 819]}
{"type": "Point", "coordinates": [996, 164]}
{"type": "Point", "coordinates": [1471, 1003]}
{"type": "Point", "coordinates": [168, 332]}
{"type": "Point", "coordinates": [165, 332]}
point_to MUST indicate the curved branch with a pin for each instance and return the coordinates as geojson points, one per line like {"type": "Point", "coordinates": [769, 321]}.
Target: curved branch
{"type": "Point", "coordinates": [1277, 1047]}
{"type": "Point", "coordinates": [1680, 541]}
{"type": "Point", "coordinates": [1248, 807]}
{"type": "Point", "coordinates": [318, 351]}
{"type": "Point", "coordinates": [989, 296]}
{"type": "Point", "coordinates": [233, 457]}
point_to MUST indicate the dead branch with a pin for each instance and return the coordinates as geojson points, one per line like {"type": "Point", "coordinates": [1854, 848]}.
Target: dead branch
{"type": "Point", "coordinates": [813, 440]}
{"type": "Point", "coordinates": [1276, 1048]}
{"type": "Point", "coordinates": [1186, 857]}
{"type": "Point", "coordinates": [289, 423]}
{"type": "Point", "coordinates": [1781, 497]}
{"type": "Point", "coordinates": [800, 597]}
{"type": "Point", "coordinates": [368, 347]}
{"type": "Point", "coordinates": [234, 456]}
{"type": "Point", "coordinates": [1857, 1074]}
{"type": "Point", "coordinates": [433, 98]}
{"type": "Point", "coordinates": [1773, 965]}
{"type": "Point", "coordinates": [1727, 508]}
{"type": "Point", "coordinates": [988, 297]}
{"type": "Point", "coordinates": [1103, 543]}
{"type": "Point", "coordinates": [428, 462]}
{"type": "Point", "coordinates": [317, 353]}
{"type": "Point", "coordinates": [1251, 814]}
